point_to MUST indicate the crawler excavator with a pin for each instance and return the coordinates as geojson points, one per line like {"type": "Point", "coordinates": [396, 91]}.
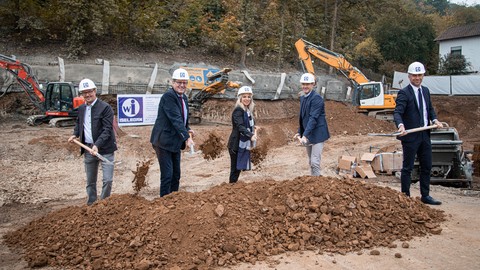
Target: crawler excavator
{"type": "Point", "coordinates": [369, 96]}
{"type": "Point", "coordinates": [216, 83]}
{"type": "Point", "coordinates": [59, 101]}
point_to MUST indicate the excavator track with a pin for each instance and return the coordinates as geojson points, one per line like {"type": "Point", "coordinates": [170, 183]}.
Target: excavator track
{"type": "Point", "coordinates": [62, 122]}
{"type": "Point", "coordinates": [36, 120]}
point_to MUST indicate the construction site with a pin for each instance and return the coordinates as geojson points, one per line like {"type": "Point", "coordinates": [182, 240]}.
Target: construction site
{"type": "Point", "coordinates": [275, 217]}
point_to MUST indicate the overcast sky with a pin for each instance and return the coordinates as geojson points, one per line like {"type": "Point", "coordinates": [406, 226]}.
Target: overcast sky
{"type": "Point", "coordinates": [467, 2]}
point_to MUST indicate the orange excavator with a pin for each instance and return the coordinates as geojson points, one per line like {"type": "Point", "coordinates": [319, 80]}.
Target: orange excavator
{"type": "Point", "coordinates": [216, 83]}
{"type": "Point", "coordinates": [369, 96]}
{"type": "Point", "coordinates": [59, 101]}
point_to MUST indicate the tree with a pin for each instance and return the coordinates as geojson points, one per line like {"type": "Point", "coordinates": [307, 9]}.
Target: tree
{"type": "Point", "coordinates": [453, 64]}
{"type": "Point", "coordinates": [367, 54]}
{"type": "Point", "coordinates": [405, 39]}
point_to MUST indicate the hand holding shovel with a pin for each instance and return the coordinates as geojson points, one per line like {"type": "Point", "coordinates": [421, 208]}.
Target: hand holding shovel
{"type": "Point", "coordinates": [102, 158]}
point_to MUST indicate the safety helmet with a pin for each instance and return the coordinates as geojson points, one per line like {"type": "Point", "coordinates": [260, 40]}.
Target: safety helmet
{"type": "Point", "coordinates": [86, 84]}
{"type": "Point", "coordinates": [307, 78]}
{"type": "Point", "coordinates": [245, 90]}
{"type": "Point", "coordinates": [416, 68]}
{"type": "Point", "coordinates": [180, 74]}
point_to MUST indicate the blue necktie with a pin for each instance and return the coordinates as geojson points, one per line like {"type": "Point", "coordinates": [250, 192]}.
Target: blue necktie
{"type": "Point", "coordinates": [420, 106]}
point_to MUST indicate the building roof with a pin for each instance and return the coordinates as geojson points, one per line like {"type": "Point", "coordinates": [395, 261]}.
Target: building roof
{"type": "Point", "coordinates": [469, 30]}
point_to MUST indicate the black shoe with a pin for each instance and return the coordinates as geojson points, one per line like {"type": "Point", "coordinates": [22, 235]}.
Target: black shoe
{"type": "Point", "coordinates": [430, 200]}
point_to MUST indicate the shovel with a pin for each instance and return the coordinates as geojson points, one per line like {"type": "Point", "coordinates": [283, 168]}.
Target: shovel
{"type": "Point", "coordinates": [102, 158]}
{"type": "Point", "coordinates": [394, 134]}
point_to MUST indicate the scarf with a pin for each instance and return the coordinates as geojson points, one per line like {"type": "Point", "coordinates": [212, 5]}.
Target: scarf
{"type": "Point", "coordinates": [245, 144]}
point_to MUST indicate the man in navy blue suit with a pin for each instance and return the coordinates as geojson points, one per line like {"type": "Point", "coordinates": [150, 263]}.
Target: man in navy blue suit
{"type": "Point", "coordinates": [171, 132]}
{"type": "Point", "coordinates": [414, 109]}
{"type": "Point", "coordinates": [313, 129]}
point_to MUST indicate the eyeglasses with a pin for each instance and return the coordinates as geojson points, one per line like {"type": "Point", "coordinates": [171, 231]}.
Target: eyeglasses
{"type": "Point", "coordinates": [181, 83]}
{"type": "Point", "coordinates": [87, 92]}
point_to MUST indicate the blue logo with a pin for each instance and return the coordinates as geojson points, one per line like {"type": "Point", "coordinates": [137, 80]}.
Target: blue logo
{"type": "Point", "coordinates": [130, 109]}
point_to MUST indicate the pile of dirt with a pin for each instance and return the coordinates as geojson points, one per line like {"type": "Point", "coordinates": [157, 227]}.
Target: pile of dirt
{"type": "Point", "coordinates": [225, 225]}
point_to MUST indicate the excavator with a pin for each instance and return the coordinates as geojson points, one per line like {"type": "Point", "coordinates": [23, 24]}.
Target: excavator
{"type": "Point", "coordinates": [59, 101]}
{"type": "Point", "coordinates": [369, 96]}
{"type": "Point", "coordinates": [216, 83]}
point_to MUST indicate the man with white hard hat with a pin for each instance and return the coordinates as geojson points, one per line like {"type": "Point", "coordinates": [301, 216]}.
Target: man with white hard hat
{"type": "Point", "coordinates": [313, 128]}
{"type": "Point", "coordinates": [414, 110]}
{"type": "Point", "coordinates": [94, 128]}
{"type": "Point", "coordinates": [171, 132]}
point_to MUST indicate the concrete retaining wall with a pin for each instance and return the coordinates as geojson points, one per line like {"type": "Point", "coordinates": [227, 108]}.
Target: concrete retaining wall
{"type": "Point", "coordinates": [134, 80]}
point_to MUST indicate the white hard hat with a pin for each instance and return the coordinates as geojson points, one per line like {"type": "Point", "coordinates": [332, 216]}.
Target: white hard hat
{"type": "Point", "coordinates": [416, 68]}
{"type": "Point", "coordinates": [86, 84]}
{"type": "Point", "coordinates": [245, 90]}
{"type": "Point", "coordinates": [180, 74]}
{"type": "Point", "coordinates": [307, 78]}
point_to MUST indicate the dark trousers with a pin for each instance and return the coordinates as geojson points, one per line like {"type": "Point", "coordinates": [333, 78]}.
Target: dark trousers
{"type": "Point", "coordinates": [169, 170]}
{"type": "Point", "coordinates": [422, 148]}
{"type": "Point", "coordinates": [234, 173]}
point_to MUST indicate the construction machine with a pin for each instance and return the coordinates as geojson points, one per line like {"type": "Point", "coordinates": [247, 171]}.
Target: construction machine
{"type": "Point", "coordinates": [450, 163]}
{"type": "Point", "coordinates": [217, 82]}
{"type": "Point", "coordinates": [59, 101]}
{"type": "Point", "coordinates": [369, 96]}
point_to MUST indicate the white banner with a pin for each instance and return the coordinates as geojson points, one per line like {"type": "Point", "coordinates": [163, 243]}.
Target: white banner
{"type": "Point", "coordinates": [443, 85]}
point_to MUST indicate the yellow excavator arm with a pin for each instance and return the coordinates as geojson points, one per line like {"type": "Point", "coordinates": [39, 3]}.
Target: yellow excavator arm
{"type": "Point", "coordinates": [306, 50]}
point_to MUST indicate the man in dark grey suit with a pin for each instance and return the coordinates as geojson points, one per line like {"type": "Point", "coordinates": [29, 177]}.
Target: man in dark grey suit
{"type": "Point", "coordinates": [414, 109]}
{"type": "Point", "coordinates": [313, 128]}
{"type": "Point", "coordinates": [171, 132]}
{"type": "Point", "coordinates": [94, 128]}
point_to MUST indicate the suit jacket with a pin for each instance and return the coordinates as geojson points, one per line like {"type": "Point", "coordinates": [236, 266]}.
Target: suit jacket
{"type": "Point", "coordinates": [238, 127]}
{"type": "Point", "coordinates": [169, 131]}
{"type": "Point", "coordinates": [407, 112]}
{"type": "Point", "coordinates": [313, 124]}
{"type": "Point", "coordinates": [102, 127]}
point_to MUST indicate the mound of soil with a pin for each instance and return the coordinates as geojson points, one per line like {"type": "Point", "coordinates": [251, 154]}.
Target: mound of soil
{"type": "Point", "coordinates": [225, 225]}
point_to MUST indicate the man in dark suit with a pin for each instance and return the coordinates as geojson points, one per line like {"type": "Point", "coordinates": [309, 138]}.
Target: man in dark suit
{"type": "Point", "coordinates": [171, 132]}
{"type": "Point", "coordinates": [94, 128]}
{"type": "Point", "coordinates": [313, 129]}
{"type": "Point", "coordinates": [414, 109]}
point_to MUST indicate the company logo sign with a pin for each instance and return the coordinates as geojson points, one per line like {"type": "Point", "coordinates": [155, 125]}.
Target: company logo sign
{"type": "Point", "coordinates": [130, 110]}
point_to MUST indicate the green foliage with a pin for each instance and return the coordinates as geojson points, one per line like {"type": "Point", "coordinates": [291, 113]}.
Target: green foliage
{"type": "Point", "coordinates": [368, 31]}
{"type": "Point", "coordinates": [406, 39]}
{"type": "Point", "coordinates": [453, 64]}
{"type": "Point", "coordinates": [367, 54]}
{"type": "Point", "coordinates": [466, 15]}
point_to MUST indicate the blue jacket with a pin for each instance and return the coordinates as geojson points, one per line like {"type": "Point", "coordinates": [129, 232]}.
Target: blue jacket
{"type": "Point", "coordinates": [102, 127]}
{"type": "Point", "coordinates": [313, 124]}
{"type": "Point", "coordinates": [169, 131]}
{"type": "Point", "coordinates": [407, 112]}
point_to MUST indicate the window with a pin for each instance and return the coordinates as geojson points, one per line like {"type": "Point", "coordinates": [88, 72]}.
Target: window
{"type": "Point", "coordinates": [457, 50]}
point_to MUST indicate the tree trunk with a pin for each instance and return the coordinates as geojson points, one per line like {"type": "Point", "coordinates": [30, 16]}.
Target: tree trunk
{"type": "Point", "coordinates": [243, 55]}
{"type": "Point", "coordinates": [280, 49]}
{"type": "Point", "coordinates": [334, 29]}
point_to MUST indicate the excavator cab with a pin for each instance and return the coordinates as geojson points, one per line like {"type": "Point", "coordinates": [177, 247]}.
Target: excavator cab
{"type": "Point", "coordinates": [61, 103]}
{"type": "Point", "coordinates": [59, 97]}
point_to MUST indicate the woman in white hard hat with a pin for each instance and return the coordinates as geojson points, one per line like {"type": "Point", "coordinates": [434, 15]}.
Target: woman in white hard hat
{"type": "Point", "coordinates": [243, 135]}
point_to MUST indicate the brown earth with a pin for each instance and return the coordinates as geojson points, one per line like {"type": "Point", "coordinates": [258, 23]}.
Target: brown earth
{"type": "Point", "coordinates": [275, 217]}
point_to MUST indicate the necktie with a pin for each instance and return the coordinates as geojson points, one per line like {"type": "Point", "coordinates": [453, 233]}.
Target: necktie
{"type": "Point", "coordinates": [420, 106]}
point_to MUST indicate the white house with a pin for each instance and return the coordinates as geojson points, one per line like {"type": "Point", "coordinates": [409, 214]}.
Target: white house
{"type": "Point", "coordinates": [464, 40]}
